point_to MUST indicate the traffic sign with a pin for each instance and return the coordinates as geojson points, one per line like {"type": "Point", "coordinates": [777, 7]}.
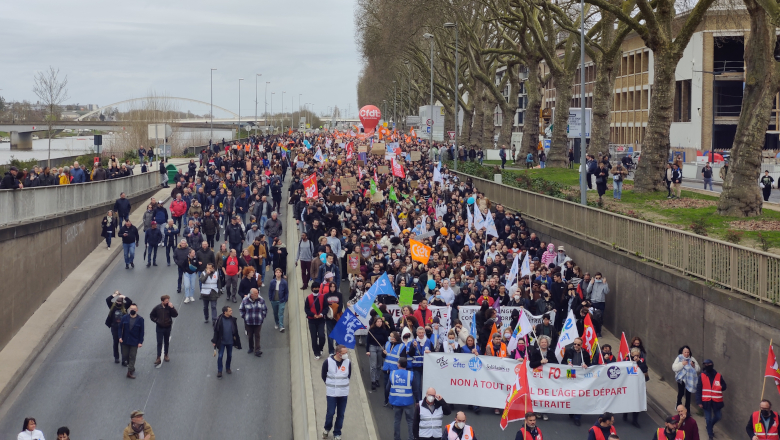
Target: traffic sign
{"type": "Point", "coordinates": [429, 122]}
{"type": "Point", "coordinates": [427, 129]}
{"type": "Point", "coordinates": [452, 135]}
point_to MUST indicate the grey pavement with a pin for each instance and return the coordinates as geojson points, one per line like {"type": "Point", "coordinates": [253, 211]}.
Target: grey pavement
{"type": "Point", "coordinates": [717, 188]}
{"type": "Point", "coordinates": [75, 382]}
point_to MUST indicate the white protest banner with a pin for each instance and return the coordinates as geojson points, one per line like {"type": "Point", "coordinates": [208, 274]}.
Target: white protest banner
{"type": "Point", "coordinates": [394, 310]}
{"type": "Point", "coordinates": [466, 314]}
{"type": "Point", "coordinates": [463, 378]}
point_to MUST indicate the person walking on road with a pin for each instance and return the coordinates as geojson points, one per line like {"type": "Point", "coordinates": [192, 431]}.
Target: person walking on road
{"type": "Point", "coordinates": [604, 427]}
{"type": "Point", "coordinates": [529, 430]}
{"type": "Point", "coordinates": [225, 338]}
{"type": "Point", "coordinates": [130, 239]}
{"type": "Point", "coordinates": [117, 309]}
{"type": "Point", "coordinates": [459, 430]}
{"type": "Point", "coordinates": [578, 357]}
{"type": "Point", "coordinates": [138, 428]}
{"type": "Point", "coordinates": [402, 398]}
{"type": "Point", "coordinates": [152, 237]}
{"type": "Point", "coordinates": [709, 395]}
{"type": "Point", "coordinates": [169, 240]}
{"type": "Point", "coordinates": [670, 431]}
{"type": "Point", "coordinates": [28, 430]}
{"type": "Point", "coordinates": [763, 424]}
{"type": "Point", "coordinates": [232, 270]}
{"type": "Point", "coordinates": [162, 315]}
{"type": "Point", "coordinates": [131, 336]}
{"type": "Point", "coordinates": [122, 207]}
{"type": "Point", "coordinates": [687, 425]}
{"type": "Point", "coordinates": [336, 372]}
{"type": "Point", "coordinates": [706, 174]}
{"type": "Point", "coordinates": [315, 313]}
{"type": "Point", "coordinates": [686, 373]}
{"type": "Point", "coordinates": [253, 311]}
{"type": "Point", "coordinates": [273, 228]}
{"type": "Point", "coordinates": [189, 268]}
{"type": "Point", "coordinates": [209, 292]}
{"type": "Point", "coordinates": [180, 255]}
{"type": "Point", "coordinates": [178, 209]}
{"type": "Point", "coordinates": [428, 415]}
{"type": "Point", "coordinates": [279, 293]}
{"type": "Point", "coordinates": [235, 235]}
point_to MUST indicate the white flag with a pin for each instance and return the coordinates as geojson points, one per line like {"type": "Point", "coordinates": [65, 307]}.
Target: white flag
{"type": "Point", "coordinates": [568, 334]}
{"type": "Point", "coordinates": [437, 174]}
{"type": "Point", "coordinates": [468, 241]}
{"type": "Point", "coordinates": [513, 272]}
{"type": "Point", "coordinates": [523, 328]}
{"type": "Point", "coordinates": [490, 225]}
{"type": "Point", "coordinates": [396, 228]}
{"type": "Point", "coordinates": [478, 219]}
{"type": "Point", "coordinates": [525, 268]}
{"type": "Point", "coordinates": [471, 218]}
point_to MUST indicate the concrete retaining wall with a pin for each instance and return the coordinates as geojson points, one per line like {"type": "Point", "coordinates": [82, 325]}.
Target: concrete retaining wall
{"type": "Point", "coordinates": [668, 310]}
{"type": "Point", "coordinates": [36, 256]}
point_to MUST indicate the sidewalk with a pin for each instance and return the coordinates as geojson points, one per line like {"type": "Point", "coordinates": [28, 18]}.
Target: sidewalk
{"type": "Point", "coordinates": [661, 397]}
{"type": "Point", "coordinates": [20, 353]}
{"type": "Point", "coordinates": [358, 420]}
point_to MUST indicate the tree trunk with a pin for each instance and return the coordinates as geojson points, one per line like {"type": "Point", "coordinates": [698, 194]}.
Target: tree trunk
{"type": "Point", "coordinates": [559, 146]}
{"type": "Point", "coordinates": [533, 90]}
{"type": "Point", "coordinates": [489, 126]}
{"type": "Point", "coordinates": [508, 110]}
{"type": "Point", "coordinates": [655, 148]}
{"type": "Point", "coordinates": [741, 196]}
{"type": "Point", "coordinates": [603, 97]}
{"type": "Point", "coordinates": [477, 131]}
{"type": "Point", "coordinates": [464, 135]}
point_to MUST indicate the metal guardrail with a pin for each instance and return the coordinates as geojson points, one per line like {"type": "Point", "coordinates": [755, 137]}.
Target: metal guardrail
{"type": "Point", "coordinates": [741, 269]}
{"type": "Point", "coordinates": [49, 201]}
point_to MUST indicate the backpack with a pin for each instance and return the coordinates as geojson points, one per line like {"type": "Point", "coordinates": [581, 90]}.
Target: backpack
{"type": "Point", "coordinates": [592, 167]}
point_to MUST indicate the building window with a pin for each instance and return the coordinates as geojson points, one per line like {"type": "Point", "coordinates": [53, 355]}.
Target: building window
{"type": "Point", "coordinates": [682, 101]}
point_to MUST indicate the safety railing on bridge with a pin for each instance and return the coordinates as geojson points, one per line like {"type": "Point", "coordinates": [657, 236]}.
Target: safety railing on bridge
{"type": "Point", "coordinates": [49, 201]}
{"type": "Point", "coordinates": [731, 266]}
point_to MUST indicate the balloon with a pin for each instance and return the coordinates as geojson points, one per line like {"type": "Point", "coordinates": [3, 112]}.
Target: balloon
{"type": "Point", "coordinates": [405, 231]}
{"type": "Point", "coordinates": [369, 117]}
{"type": "Point", "coordinates": [323, 258]}
{"type": "Point", "coordinates": [471, 200]}
{"type": "Point", "coordinates": [443, 231]}
{"type": "Point", "coordinates": [431, 284]}
{"type": "Point", "coordinates": [339, 161]}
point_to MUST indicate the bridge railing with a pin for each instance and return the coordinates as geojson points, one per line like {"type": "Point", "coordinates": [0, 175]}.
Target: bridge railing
{"type": "Point", "coordinates": [22, 205]}
{"type": "Point", "coordinates": [731, 266]}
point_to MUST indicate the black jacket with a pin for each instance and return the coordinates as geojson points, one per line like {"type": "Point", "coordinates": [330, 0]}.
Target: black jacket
{"type": "Point", "coordinates": [217, 338]}
{"type": "Point", "coordinates": [445, 409]}
{"type": "Point", "coordinates": [535, 357]}
{"type": "Point", "coordinates": [163, 316]}
{"type": "Point", "coordinates": [132, 234]}
{"type": "Point", "coordinates": [235, 233]}
{"type": "Point", "coordinates": [153, 237]}
{"type": "Point", "coordinates": [122, 207]}
{"type": "Point", "coordinates": [569, 354]}
{"type": "Point", "coordinates": [110, 302]}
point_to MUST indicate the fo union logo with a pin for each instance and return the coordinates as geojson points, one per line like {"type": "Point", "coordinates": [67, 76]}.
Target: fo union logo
{"type": "Point", "coordinates": [475, 364]}
{"type": "Point", "coordinates": [442, 362]}
{"type": "Point", "coordinates": [613, 372]}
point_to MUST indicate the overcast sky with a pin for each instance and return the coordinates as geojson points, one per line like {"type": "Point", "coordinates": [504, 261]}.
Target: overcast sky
{"type": "Point", "coordinates": [112, 51]}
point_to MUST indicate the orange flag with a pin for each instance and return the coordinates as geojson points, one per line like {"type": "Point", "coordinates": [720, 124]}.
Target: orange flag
{"type": "Point", "coordinates": [420, 252]}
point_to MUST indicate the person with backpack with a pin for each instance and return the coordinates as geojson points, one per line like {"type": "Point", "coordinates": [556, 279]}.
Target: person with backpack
{"type": "Point", "coordinates": [676, 180]}
{"type": "Point", "coordinates": [542, 159]}
{"type": "Point", "coordinates": [305, 255]}
{"type": "Point", "coordinates": [529, 160]}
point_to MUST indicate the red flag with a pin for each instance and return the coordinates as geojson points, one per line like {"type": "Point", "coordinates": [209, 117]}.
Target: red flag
{"type": "Point", "coordinates": [519, 401]}
{"type": "Point", "coordinates": [589, 338]}
{"type": "Point", "coordinates": [398, 169]}
{"type": "Point", "coordinates": [376, 179]}
{"type": "Point", "coordinates": [624, 353]}
{"type": "Point", "coordinates": [350, 150]}
{"type": "Point", "coordinates": [772, 369]}
{"type": "Point", "coordinates": [360, 174]}
{"type": "Point", "coordinates": [601, 359]}
{"type": "Point", "coordinates": [310, 186]}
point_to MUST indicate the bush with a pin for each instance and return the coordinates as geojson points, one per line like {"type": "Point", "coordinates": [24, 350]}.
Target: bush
{"type": "Point", "coordinates": [733, 236]}
{"type": "Point", "coordinates": [698, 226]}
{"type": "Point", "coordinates": [763, 243]}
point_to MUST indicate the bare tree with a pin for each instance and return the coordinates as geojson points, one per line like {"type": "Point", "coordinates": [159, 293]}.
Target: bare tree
{"type": "Point", "coordinates": [52, 92]}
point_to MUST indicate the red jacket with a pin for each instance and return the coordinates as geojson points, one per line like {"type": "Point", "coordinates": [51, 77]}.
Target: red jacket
{"type": "Point", "coordinates": [178, 208]}
{"type": "Point", "coordinates": [422, 320]}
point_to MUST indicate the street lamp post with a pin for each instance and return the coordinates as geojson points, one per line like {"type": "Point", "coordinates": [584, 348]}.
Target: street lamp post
{"type": "Point", "coordinates": [455, 90]}
{"type": "Point", "coordinates": [256, 76]}
{"type": "Point", "coordinates": [409, 88]}
{"type": "Point", "coordinates": [712, 129]}
{"type": "Point", "coordinates": [211, 112]}
{"type": "Point", "coordinates": [239, 108]}
{"type": "Point", "coordinates": [265, 110]}
{"type": "Point", "coordinates": [272, 105]}
{"type": "Point", "coordinates": [283, 110]}
{"type": "Point", "coordinates": [430, 137]}
{"type": "Point", "coordinates": [299, 109]}
{"type": "Point", "coordinates": [583, 174]}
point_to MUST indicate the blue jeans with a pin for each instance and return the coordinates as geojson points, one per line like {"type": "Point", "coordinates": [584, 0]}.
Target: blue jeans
{"type": "Point", "coordinates": [152, 249]}
{"type": "Point", "coordinates": [617, 190]}
{"type": "Point", "coordinates": [337, 406]}
{"type": "Point", "coordinates": [190, 282]}
{"type": "Point", "coordinates": [417, 384]}
{"type": "Point", "coordinates": [541, 164]}
{"type": "Point", "coordinates": [229, 357]}
{"type": "Point", "coordinates": [181, 274]}
{"type": "Point", "coordinates": [708, 182]}
{"type": "Point", "coordinates": [263, 219]}
{"type": "Point", "coordinates": [278, 308]}
{"type": "Point", "coordinates": [261, 270]}
{"type": "Point", "coordinates": [407, 410]}
{"type": "Point", "coordinates": [711, 416]}
{"type": "Point", "coordinates": [108, 240]}
{"type": "Point", "coordinates": [129, 251]}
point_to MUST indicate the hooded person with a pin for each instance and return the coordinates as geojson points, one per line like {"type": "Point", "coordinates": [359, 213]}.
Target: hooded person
{"type": "Point", "coordinates": [549, 255]}
{"type": "Point", "coordinates": [561, 258]}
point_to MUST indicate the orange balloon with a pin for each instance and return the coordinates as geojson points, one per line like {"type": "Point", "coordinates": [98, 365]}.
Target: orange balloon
{"type": "Point", "coordinates": [339, 161]}
{"type": "Point", "coordinates": [443, 231]}
{"type": "Point", "coordinates": [405, 231]}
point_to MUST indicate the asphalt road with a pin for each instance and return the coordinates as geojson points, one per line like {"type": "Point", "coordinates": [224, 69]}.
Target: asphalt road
{"type": "Point", "coordinates": [76, 383]}
{"type": "Point", "coordinates": [486, 424]}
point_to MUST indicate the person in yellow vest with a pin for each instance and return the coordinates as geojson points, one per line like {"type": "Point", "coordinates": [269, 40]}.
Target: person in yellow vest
{"type": "Point", "coordinates": [763, 424]}
{"type": "Point", "coordinates": [459, 430]}
{"type": "Point", "coordinates": [529, 431]}
{"type": "Point", "coordinates": [709, 395]}
{"type": "Point", "coordinates": [670, 431]}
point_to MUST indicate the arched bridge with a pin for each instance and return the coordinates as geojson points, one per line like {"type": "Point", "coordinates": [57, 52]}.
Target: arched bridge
{"type": "Point", "coordinates": [86, 115]}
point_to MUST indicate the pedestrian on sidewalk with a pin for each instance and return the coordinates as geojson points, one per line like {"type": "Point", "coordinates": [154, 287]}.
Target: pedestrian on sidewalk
{"type": "Point", "coordinates": [676, 180]}
{"type": "Point", "coordinates": [709, 395]}
{"type": "Point", "coordinates": [686, 371]}
{"type": "Point", "coordinates": [253, 311]}
{"type": "Point", "coordinates": [502, 155]}
{"type": "Point", "coordinates": [316, 308]}
{"type": "Point", "coordinates": [763, 424]}
{"type": "Point", "coordinates": [162, 315]}
{"type": "Point", "coordinates": [131, 336]}
{"type": "Point", "coordinates": [225, 338]}
{"type": "Point", "coordinates": [706, 173]}
{"type": "Point", "coordinates": [687, 424]}
{"type": "Point", "coordinates": [108, 228]}
{"type": "Point", "coordinates": [305, 255]}
{"type": "Point", "coordinates": [336, 372]}
{"type": "Point", "coordinates": [152, 238]}
{"type": "Point", "coordinates": [130, 239]}
{"type": "Point", "coordinates": [766, 185]}
{"type": "Point", "coordinates": [670, 431]}
{"type": "Point", "coordinates": [209, 292]}
{"type": "Point", "coordinates": [279, 293]}
{"type": "Point", "coordinates": [138, 428]}
{"type": "Point", "coordinates": [428, 415]}
{"type": "Point", "coordinates": [402, 398]}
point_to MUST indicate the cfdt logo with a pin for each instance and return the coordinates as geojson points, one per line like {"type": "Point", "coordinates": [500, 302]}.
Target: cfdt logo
{"type": "Point", "coordinates": [613, 372]}
{"type": "Point", "coordinates": [475, 364]}
{"type": "Point", "coordinates": [370, 113]}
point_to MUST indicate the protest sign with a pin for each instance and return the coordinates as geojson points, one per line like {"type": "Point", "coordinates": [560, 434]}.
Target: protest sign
{"type": "Point", "coordinates": [466, 314]}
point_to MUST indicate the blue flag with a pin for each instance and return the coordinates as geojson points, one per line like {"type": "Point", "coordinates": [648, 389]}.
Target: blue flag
{"type": "Point", "coordinates": [306, 144]}
{"type": "Point", "coordinates": [344, 331]}
{"type": "Point", "coordinates": [473, 331]}
{"type": "Point", "coordinates": [381, 286]}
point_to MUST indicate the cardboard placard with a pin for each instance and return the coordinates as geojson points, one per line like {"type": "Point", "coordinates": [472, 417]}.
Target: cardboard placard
{"type": "Point", "coordinates": [353, 264]}
{"type": "Point", "coordinates": [337, 199]}
{"type": "Point", "coordinates": [349, 184]}
{"type": "Point", "coordinates": [361, 163]}
{"type": "Point", "coordinates": [383, 186]}
{"type": "Point", "coordinates": [413, 184]}
{"type": "Point", "coordinates": [416, 156]}
{"type": "Point", "coordinates": [383, 169]}
{"type": "Point", "coordinates": [378, 197]}
{"type": "Point", "coordinates": [362, 148]}
{"type": "Point", "coordinates": [378, 150]}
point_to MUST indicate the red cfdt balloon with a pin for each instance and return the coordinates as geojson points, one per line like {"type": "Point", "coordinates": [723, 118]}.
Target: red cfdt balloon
{"type": "Point", "coordinates": [370, 116]}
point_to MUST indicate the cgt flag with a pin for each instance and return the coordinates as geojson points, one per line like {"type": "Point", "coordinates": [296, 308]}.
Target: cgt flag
{"type": "Point", "coordinates": [589, 339]}
{"type": "Point", "coordinates": [772, 370]}
{"type": "Point", "coordinates": [624, 353]}
{"type": "Point", "coordinates": [344, 331]}
{"type": "Point", "coordinates": [518, 402]}
{"type": "Point", "coordinates": [310, 186]}
{"type": "Point", "coordinates": [398, 169]}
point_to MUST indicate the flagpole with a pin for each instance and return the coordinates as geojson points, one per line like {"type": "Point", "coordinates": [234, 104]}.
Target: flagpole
{"type": "Point", "coordinates": [763, 384]}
